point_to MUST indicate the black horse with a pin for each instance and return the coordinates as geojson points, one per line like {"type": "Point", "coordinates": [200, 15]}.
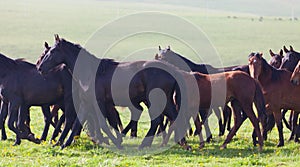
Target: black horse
{"type": "Point", "coordinates": [22, 86]}
{"type": "Point", "coordinates": [3, 115]}
{"type": "Point", "coordinates": [129, 73]}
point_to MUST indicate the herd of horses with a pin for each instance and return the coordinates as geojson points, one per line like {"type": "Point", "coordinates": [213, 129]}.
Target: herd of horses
{"type": "Point", "coordinates": [192, 91]}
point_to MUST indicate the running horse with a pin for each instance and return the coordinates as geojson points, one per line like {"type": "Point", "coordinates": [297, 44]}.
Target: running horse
{"type": "Point", "coordinates": [278, 91]}
{"type": "Point", "coordinates": [21, 87]}
{"type": "Point", "coordinates": [176, 59]}
{"type": "Point", "coordinates": [240, 87]}
{"type": "Point", "coordinates": [65, 52]}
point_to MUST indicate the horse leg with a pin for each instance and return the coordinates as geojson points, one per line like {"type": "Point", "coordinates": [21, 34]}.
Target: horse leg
{"type": "Point", "coordinates": [296, 125]}
{"type": "Point", "coordinates": [13, 116]}
{"type": "Point", "coordinates": [22, 118]}
{"type": "Point", "coordinates": [288, 125]}
{"type": "Point", "coordinates": [237, 123]}
{"type": "Point", "coordinates": [113, 117]}
{"type": "Point", "coordinates": [4, 112]}
{"type": "Point", "coordinates": [278, 120]}
{"type": "Point", "coordinates": [225, 113]}
{"type": "Point", "coordinates": [147, 141]}
{"type": "Point", "coordinates": [228, 115]}
{"type": "Point", "coordinates": [198, 130]}
{"type": "Point", "coordinates": [58, 127]}
{"type": "Point", "coordinates": [135, 115]}
{"type": "Point", "coordinates": [70, 117]}
{"type": "Point", "coordinates": [76, 127]}
{"type": "Point", "coordinates": [220, 121]}
{"type": "Point", "coordinates": [255, 123]}
{"type": "Point", "coordinates": [204, 116]}
{"type": "Point", "coordinates": [47, 119]}
{"type": "Point", "coordinates": [23, 123]}
{"type": "Point", "coordinates": [54, 114]}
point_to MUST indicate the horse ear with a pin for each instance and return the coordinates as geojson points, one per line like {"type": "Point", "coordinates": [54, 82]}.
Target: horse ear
{"type": "Point", "coordinates": [169, 48]}
{"type": "Point", "coordinates": [271, 53]}
{"type": "Point", "coordinates": [291, 49]}
{"type": "Point", "coordinates": [156, 57]}
{"type": "Point", "coordinates": [285, 49]}
{"type": "Point", "coordinates": [46, 45]}
{"type": "Point", "coordinates": [57, 39]}
{"type": "Point", "coordinates": [159, 48]}
{"type": "Point", "coordinates": [281, 53]}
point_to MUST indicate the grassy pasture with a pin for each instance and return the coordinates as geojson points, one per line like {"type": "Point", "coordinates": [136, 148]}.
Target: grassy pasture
{"type": "Point", "coordinates": [25, 25]}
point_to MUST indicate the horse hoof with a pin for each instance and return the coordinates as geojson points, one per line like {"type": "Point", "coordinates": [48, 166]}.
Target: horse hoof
{"type": "Point", "coordinates": [260, 149]}
{"type": "Point", "coordinates": [63, 146]}
{"type": "Point", "coordinates": [17, 143]}
{"type": "Point", "coordinates": [56, 144]}
{"type": "Point", "coordinates": [223, 147]}
{"type": "Point", "coordinates": [140, 147]}
{"type": "Point", "coordinates": [120, 147]}
{"type": "Point", "coordinates": [4, 138]}
{"type": "Point", "coordinates": [280, 144]}
{"type": "Point", "coordinates": [209, 139]}
{"type": "Point", "coordinates": [201, 145]}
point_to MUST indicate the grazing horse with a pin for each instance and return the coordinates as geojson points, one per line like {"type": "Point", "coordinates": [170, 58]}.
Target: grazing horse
{"type": "Point", "coordinates": [278, 91]}
{"type": "Point", "coordinates": [141, 84]}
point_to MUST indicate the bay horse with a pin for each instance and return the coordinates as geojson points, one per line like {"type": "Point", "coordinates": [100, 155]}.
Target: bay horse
{"type": "Point", "coordinates": [276, 61]}
{"type": "Point", "coordinates": [278, 91]}
{"type": "Point", "coordinates": [65, 52]}
{"type": "Point", "coordinates": [172, 57]}
{"type": "Point", "coordinates": [244, 94]}
{"type": "Point", "coordinates": [289, 63]}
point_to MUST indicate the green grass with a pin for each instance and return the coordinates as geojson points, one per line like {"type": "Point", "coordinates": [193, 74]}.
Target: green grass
{"type": "Point", "coordinates": [25, 25]}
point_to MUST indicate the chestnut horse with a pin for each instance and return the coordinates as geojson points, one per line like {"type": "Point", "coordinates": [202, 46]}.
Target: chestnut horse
{"type": "Point", "coordinates": [278, 91]}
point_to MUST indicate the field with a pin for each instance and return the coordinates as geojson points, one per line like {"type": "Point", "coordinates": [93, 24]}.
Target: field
{"type": "Point", "coordinates": [25, 25]}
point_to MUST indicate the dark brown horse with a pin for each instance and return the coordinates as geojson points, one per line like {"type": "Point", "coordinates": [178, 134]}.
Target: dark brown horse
{"type": "Point", "coordinates": [276, 59]}
{"type": "Point", "coordinates": [278, 91]}
{"type": "Point", "coordinates": [139, 89]}
{"type": "Point", "coordinates": [22, 86]}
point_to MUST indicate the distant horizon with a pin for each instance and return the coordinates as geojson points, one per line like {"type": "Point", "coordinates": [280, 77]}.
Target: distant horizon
{"type": "Point", "coordinates": [279, 8]}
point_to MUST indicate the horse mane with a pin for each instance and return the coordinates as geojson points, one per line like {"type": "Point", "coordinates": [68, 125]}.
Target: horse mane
{"type": "Point", "coordinates": [275, 73]}
{"type": "Point", "coordinates": [23, 62]}
{"type": "Point", "coordinates": [78, 48]}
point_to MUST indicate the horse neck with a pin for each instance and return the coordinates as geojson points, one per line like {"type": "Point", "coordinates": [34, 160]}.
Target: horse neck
{"type": "Point", "coordinates": [80, 55]}
{"type": "Point", "coordinates": [266, 74]}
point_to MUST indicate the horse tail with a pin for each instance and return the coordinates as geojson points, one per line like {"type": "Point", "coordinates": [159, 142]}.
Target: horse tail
{"type": "Point", "coordinates": [259, 101]}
